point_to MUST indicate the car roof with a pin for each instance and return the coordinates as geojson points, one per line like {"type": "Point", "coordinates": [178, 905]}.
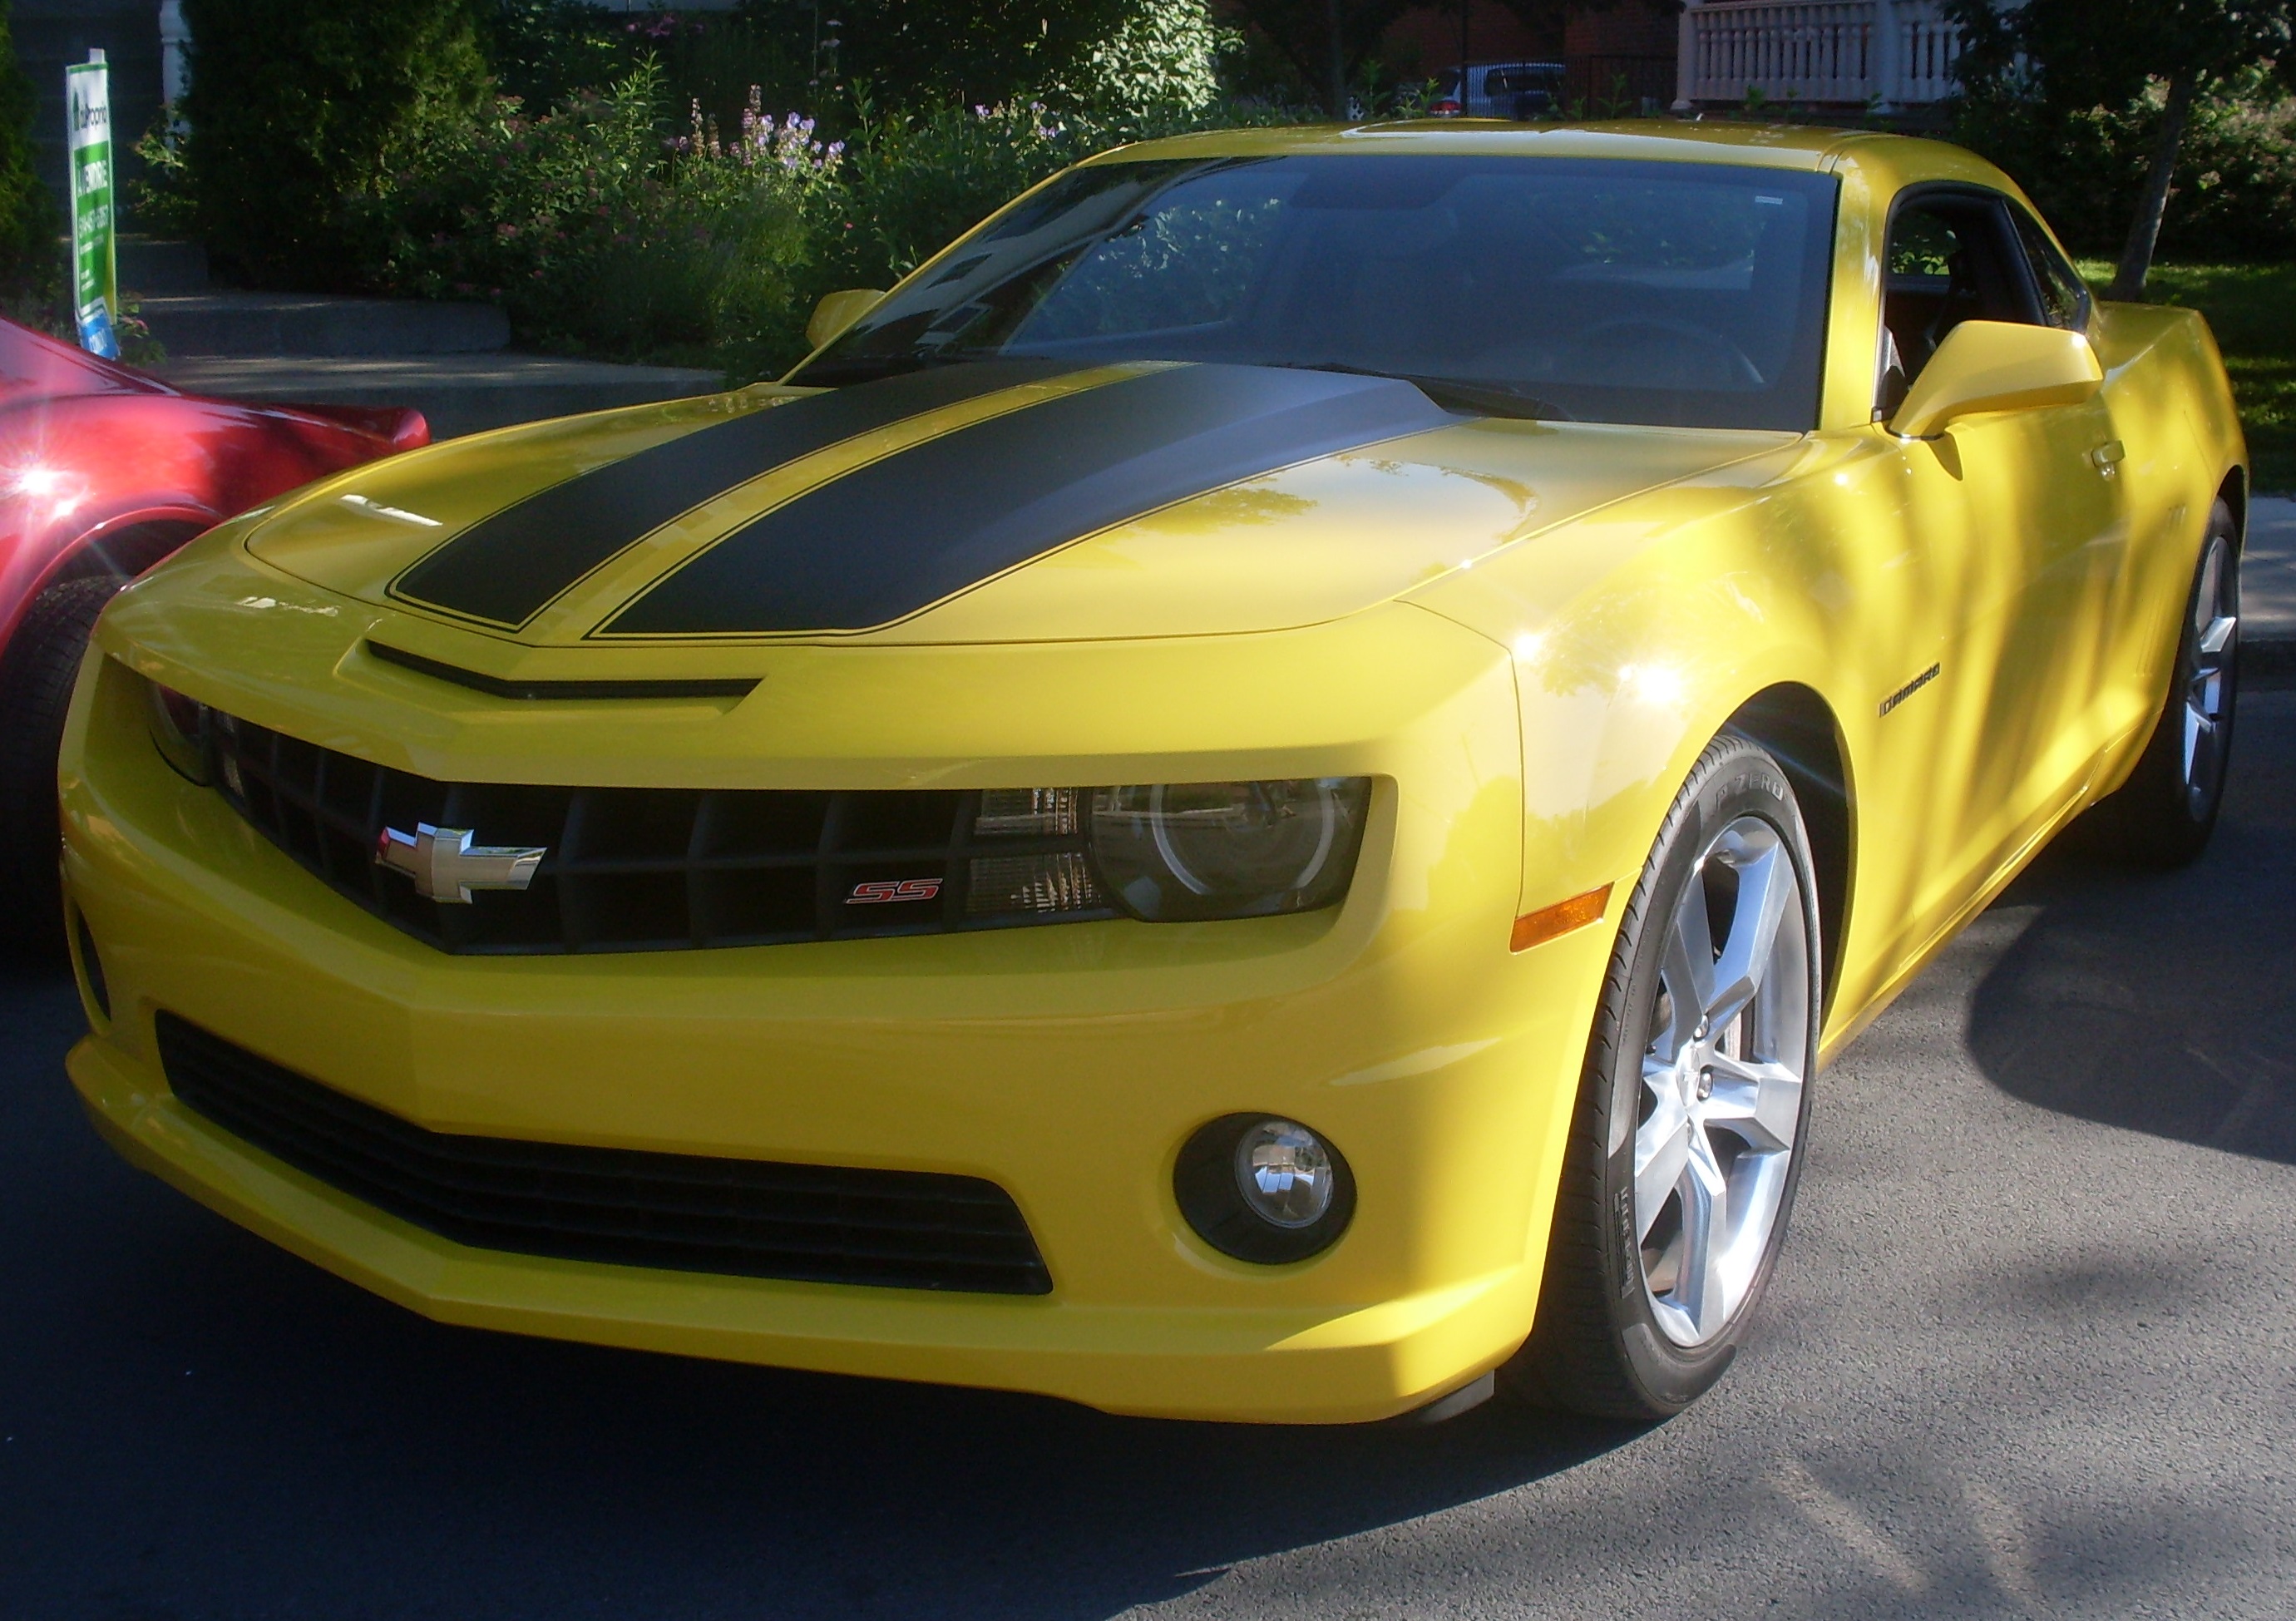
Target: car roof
{"type": "Point", "coordinates": [1798, 146]}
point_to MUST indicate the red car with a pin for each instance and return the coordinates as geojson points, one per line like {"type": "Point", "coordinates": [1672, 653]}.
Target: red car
{"type": "Point", "coordinates": [103, 472]}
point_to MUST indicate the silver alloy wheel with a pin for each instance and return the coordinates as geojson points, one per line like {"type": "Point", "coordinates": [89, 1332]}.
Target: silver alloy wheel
{"type": "Point", "coordinates": [1722, 1080]}
{"type": "Point", "coordinates": [2207, 684]}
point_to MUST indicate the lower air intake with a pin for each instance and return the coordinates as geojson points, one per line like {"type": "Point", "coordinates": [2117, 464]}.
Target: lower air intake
{"type": "Point", "coordinates": [912, 1229]}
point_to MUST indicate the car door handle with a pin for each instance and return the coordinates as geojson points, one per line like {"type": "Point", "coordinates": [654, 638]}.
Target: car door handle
{"type": "Point", "coordinates": [2108, 455]}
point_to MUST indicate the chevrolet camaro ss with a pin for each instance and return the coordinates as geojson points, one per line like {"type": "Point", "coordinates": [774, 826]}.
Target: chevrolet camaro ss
{"type": "Point", "coordinates": [1256, 795]}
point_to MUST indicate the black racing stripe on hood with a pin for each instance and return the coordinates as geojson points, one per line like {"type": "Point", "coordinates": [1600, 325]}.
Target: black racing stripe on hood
{"type": "Point", "coordinates": [505, 568]}
{"type": "Point", "coordinates": [901, 533]}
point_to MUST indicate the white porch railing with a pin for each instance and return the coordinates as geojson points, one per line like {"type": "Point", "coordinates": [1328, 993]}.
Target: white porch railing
{"type": "Point", "coordinates": [1887, 52]}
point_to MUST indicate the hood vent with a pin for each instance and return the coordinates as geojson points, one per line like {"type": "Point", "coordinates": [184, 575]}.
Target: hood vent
{"type": "Point", "coordinates": [731, 687]}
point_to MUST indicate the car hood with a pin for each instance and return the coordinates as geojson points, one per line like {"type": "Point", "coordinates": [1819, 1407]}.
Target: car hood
{"type": "Point", "coordinates": [998, 501]}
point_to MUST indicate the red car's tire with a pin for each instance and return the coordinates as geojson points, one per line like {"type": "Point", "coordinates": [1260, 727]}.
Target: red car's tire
{"type": "Point", "coordinates": [36, 687]}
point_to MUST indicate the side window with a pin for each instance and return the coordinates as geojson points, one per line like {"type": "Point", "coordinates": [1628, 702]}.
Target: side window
{"type": "Point", "coordinates": [2064, 296]}
{"type": "Point", "coordinates": [1953, 255]}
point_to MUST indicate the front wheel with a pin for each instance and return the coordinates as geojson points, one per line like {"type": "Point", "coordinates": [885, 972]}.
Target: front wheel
{"type": "Point", "coordinates": [1686, 1143]}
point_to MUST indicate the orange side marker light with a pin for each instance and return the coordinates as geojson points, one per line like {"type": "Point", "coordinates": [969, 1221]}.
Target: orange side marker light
{"type": "Point", "coordinates": [1551, 922]}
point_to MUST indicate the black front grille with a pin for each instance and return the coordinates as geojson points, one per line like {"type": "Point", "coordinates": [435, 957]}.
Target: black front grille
{"type": "Point", "coordinates": [690, 1212]}
{"type": "Point", "coordinates": [653, 869]}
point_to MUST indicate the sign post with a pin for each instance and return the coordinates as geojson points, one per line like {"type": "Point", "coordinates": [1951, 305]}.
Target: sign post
{"type": "Point", "coordinates": [87, 146]}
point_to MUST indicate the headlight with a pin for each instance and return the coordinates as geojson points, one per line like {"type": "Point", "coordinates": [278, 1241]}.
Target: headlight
{"type": "Point", "coordinates": [1173, 851]}
{"type": "Point", "coordinates": [179, 727]}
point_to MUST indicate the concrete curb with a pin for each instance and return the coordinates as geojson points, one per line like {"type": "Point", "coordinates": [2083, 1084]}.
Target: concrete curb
{"type": "Point", "coordinates": [200, 325]}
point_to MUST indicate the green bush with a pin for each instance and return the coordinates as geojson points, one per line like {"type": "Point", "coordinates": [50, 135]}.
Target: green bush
{"type": "Point", "coordinates": [594, 226]}
{"type": "Point", "coordinates": [2234, 194]}
{"type": "Point", "coordinates": [1160, 60]}
{"type": "Point", "coordinates": [301, 113]}
{"type": "Point", "coordinates": [913, 185]}
{"type": "Point", "coordinates": [596, 234]}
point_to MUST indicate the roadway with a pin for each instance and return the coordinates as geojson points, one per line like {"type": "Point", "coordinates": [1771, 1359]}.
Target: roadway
{"type": "Point", "coordinates": [2032, 1352]}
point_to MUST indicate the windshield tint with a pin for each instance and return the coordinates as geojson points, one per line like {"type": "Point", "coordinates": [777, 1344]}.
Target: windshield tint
{"type": "Point", "coordinates": [1688, 294]}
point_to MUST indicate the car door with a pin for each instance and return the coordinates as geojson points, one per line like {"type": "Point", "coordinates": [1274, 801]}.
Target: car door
{"type": "Point", "coordinates": [2021, 516]}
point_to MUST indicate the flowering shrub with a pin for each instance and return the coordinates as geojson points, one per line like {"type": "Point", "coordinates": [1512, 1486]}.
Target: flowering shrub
{"type": "Point", "coordinates": [596, 233]}
{"type": "Point", "coordinates": [598, 236]}
{"type": "Point", "coordinates": [915, 185]}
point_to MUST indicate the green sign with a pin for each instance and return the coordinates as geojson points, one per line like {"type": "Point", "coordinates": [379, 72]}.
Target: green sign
{"type": "Point", "coordinates": [87, 144]}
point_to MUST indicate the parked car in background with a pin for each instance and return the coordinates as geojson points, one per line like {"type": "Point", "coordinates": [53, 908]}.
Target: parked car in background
{"type": "Point", "coordinates": [1502, 90]}
{"type": "Point", "coordinates": [104, 471]}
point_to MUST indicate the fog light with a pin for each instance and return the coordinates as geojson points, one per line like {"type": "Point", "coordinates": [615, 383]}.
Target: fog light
{"type": "Point", "coordinates": [1264, 1188]}
{"type": "Point", "coordinates": [1284, 1173]}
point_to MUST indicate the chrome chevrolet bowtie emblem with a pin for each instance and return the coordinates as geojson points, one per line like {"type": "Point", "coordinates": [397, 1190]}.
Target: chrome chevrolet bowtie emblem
{"type": "Point", "coordinates": [447, 867]}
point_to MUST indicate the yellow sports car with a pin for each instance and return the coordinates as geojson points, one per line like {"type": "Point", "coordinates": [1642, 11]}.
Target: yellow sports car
{"type": "Point", "coordinates": [1255, 797]}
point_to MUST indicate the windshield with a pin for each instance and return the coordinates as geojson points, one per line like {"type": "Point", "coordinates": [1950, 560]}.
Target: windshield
{"type": "Point", "coordinates": [1596, 289]}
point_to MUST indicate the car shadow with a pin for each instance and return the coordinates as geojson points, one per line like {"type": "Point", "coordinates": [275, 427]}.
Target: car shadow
{"type": "Point", "coordinates": [2156, 1001]}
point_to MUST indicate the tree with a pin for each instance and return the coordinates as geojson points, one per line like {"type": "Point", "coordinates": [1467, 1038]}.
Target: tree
{"type": "Point", "coordinates": [918, 53]}
{"type": "Point", "coordinates": [29, 261]}
{"type": "Point", "coordinates": [1326, 41]}
{"type": "Point", "coordinates": [2079, 54]}
{"type": "Point", "coordinates": [299, 111]}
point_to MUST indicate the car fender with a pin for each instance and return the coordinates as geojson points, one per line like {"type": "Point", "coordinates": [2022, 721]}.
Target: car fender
{"type": "Point", "coordinates": [1637, 638]}
{"type": "Point", "coordinates": [124, 542]}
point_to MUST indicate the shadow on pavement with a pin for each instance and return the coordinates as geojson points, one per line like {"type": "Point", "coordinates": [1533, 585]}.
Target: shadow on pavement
{"type": "Point", "coordinates": [211, 1416]}
{"type": "Point", "coordinates": [2159, 1001]}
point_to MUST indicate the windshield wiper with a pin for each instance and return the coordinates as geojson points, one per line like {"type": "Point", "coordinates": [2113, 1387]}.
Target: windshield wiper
{"type": "Point", "coordinates": [1489, 399]}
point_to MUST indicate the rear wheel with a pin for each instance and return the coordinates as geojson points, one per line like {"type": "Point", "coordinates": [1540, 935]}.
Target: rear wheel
{"type": "Point", "coordinates": [2164, 814]}
{"type": "Point", "coordinates": [1686, 1143]}
{"type": "Point", "coordinates": [36, 686]}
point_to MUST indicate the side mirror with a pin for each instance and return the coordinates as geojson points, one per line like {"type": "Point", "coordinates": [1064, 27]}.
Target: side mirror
{"type": "Point", "coordinates": [1997, 366]}
{"type": "Point", "coordinates": [838, 311]}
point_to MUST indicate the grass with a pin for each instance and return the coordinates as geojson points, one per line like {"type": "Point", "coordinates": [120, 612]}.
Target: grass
{"type": "Point", "coordinates": [2252, 310]}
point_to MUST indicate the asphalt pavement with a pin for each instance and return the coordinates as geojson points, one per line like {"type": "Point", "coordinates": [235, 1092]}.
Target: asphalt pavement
{"type": "Point", "coordinates": [2031, 1353]}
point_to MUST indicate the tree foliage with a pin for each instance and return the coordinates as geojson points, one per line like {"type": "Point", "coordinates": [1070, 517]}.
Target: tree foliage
{"type": "Point", "coordinates": [2069, 58]}
{"type": "Point", "coordinates": [299, 111]}
{"type": "Point", "coordinates": [30, 265]}
{"type": "Point", "coordinates": [948, 53]}
{"type": "Point", "coordinates": [1160, 60]}
{"type": "Point", "coordinates": [1304, 34]}
{"type": "Point", "coordinates": [2102, 53]}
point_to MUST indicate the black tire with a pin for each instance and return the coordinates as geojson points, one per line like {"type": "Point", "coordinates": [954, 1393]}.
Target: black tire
{"type": "Point", "coordinates": [1597, 1347]}
{"type": "Point", "coordinates": [36, 687]}
{"type": "Point", "coordinates": [2164, 814]}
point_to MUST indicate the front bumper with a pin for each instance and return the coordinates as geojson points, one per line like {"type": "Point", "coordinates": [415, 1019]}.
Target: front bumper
{"type": "Point", "coordinates": [1066, 1064]}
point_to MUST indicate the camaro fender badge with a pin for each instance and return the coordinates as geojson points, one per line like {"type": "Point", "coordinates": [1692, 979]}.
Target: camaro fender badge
{"type": "Point", "coordinates": [878, 891]}
{"type": "Point", "coordinates": [447, 867]}
{"type": "Point", "coordinates": [1910, 688]}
